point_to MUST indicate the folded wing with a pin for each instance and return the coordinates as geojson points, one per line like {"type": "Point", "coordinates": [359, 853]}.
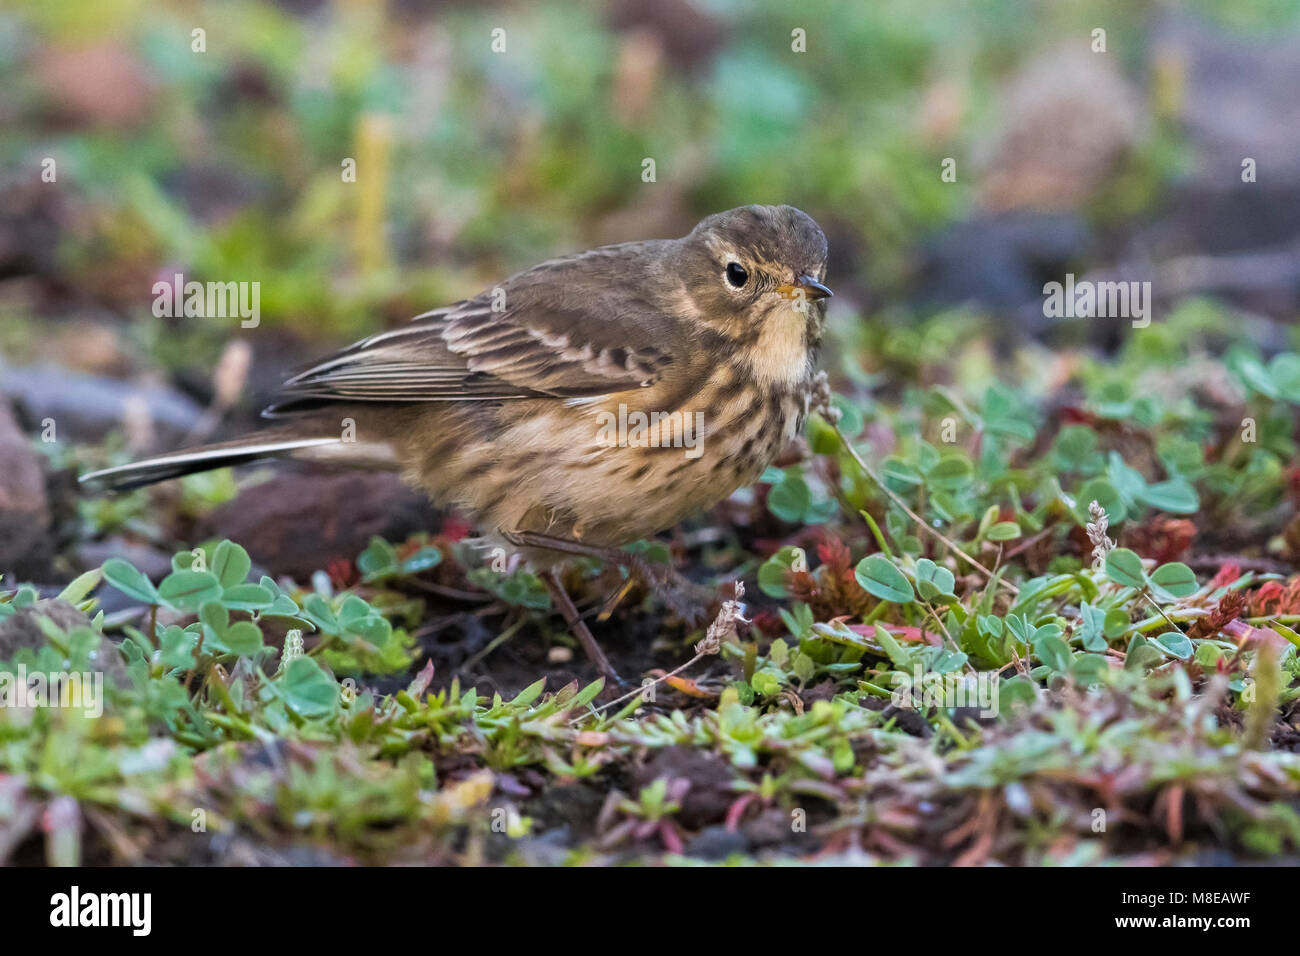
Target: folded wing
{"type": "Point", "coordinates": [537, 336]}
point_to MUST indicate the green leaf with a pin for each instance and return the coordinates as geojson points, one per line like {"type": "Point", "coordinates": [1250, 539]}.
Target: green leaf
{"type": "Point", "coordinates": [318, 611]}
{"type": "Point", "coordinates": [81, 586]}
{"type": "Point", "coordinates": [899, 475]}
{"type": "Point", "coordinates": [1089, 669]}
{"type": "Point", "coordinates": [529, 693]}
{"type": "Point", "coordinates": [1176, 496]}
{"type": "Point", "coordinates": [424, 559]}
{"type": "Point", "coordinates": [771, 578]}
{"type": "Point", "coordinates": [1174, 580]}
{"type": "Point", "coordinates": [1140, 655]}
{"type": "Point", "coordinates": [804, 667]}
{"type": "Point", "coordinates": [187, 590]}
{"type": "Point", "coordinates": [933, 581]}
{"type": "Point", "coordinates": [1105, 494]}
{"type": "Point", "coordinates": [248, 597]}
{"type": "Point", "coordinates": [899, 657]}
{"type": "Point", "coordinates": [1284, 370]}
{"type": "Point", "coordinates": [951, 472]}
{"type": "Point", "coordinates": [1116, 622]}
{"type": "Point", "coordinates": [1016, 693]}
{"type": "Point", "coordinates": [177, 647]}
{"type": "Point", "coordinates": [879, 577]}
{"type": "Point", "coordinates": [851, 419]}
{"type": "Point", "coordinates": [766, 683]}
{"type": "Point", "coordinates": [1124, 567]}
{"type": "Point", "coordinates": [1208, 655]}
{"type": "Point", "coordinates": [281, 604]}
{"type": "Point", "coordinates": [230, 564]}
{"type": "Point", "coordinates": [1003, 531]}
{"type": "Point", "coordinates": [822, 439]}
{"type": "Point", "coordinates": [1075, 449]}
{"type": "Point", "coordinates": [123, 576]}
{"type": "Point", "coordinates": [1092, 628]}
{"type": "Point", "coordinates": [790, 499]}
{"type": "Point", "coordinates": [307, 689]}
{"type": "Point", "coordinates": [1175, 643]}
{"type": "Point", "coordinates": [779, 652]}
{"type": "Point", "coordinates": [1053, 652]}
{"type": "Point", "coordinates": [378, 560]}
{"type": "Point", "coordinates": [242, 638]}
{"type": "Point", "coordinates": [214, 618]}
{"type": "Point", "coordinates": [1020, 628]}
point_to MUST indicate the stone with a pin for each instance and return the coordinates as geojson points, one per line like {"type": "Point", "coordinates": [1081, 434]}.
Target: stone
{"type": "Point", "coordinates": [22, 630]}
{"type": "Point", "coordinates": [24, 505]}
{"type": "Point", "coordinates": [85, 407]}
{"type": "Point", "coordinates": [297, 523]}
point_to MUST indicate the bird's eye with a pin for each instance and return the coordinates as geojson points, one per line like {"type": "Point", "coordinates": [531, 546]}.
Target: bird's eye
{"type": "Point", "coordinates": [737, 275]}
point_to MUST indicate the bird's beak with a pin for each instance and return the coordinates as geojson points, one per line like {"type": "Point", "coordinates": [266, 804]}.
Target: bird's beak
{"type": "Point", "coordinates": [806, 286]}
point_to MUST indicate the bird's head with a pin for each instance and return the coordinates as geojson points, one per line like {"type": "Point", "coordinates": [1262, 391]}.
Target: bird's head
{"type": "Point", "coordinates": [749, 266]}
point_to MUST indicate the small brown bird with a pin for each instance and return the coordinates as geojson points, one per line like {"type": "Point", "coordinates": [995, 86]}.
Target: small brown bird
{"type": "Point", "coordinates": [582, 404]}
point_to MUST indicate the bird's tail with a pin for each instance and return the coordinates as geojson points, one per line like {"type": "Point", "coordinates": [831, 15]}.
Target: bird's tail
{"type": "Point", "coordinates": [190, 460]}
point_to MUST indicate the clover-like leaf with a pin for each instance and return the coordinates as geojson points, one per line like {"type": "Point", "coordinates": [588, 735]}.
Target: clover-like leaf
{"type": "Point", "coordinates": [307, 689]}
{"type": "Point", "coordinates": [243, 638]}
{"type": "Point", "coordinates": [1177, 496]}
{"type": "Point", "coordinates": [879, 577]}
{"type": "Point", "coordinates": [1124, 567]}
{"type": "Point", "coordinates": [1053, 652]}
{"type": "Point", "coordinates": [230, 563]}
{"type": "Point", "coordinates": [187, 590]}
{"type": "Point", "coordinates": [378, 561]}
{"type": "Point", "coordinates": [1174, 580]}
{"type": "Point", "coordinates": [124, 576]}
{"type": "Point", "coordinates": [1003, 531]}
{"type": "Point", "coordinates": [934, 582]}
{"type": "Point", "coordinates": [1175, 643]}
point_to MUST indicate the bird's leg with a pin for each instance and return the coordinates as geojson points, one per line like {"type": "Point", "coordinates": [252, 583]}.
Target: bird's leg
{"type": "Point", "coordinates": [683, 596]}
{"type": "Point", "coordinates": [579, 628]}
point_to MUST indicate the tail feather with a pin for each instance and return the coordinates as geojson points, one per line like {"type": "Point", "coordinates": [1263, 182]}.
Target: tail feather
{"type": "Point", "coordinates": [191, 460]}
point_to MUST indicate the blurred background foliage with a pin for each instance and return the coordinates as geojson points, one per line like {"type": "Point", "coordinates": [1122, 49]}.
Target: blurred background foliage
{"type": "Point", "coordinates": [471, 163]}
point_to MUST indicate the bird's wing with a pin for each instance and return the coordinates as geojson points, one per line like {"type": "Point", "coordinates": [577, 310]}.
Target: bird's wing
{"type": "Point", "coordinates": [567, 329]}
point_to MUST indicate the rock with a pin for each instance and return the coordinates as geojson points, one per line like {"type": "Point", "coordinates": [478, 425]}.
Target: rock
{"type": "Point", "coordinates": [84, 407]}
{"type": "Point", "coordinates": [153, 563]}
{"type": "Point", "coordinates": [22, 630]}
{"type": "Point", "coordinates": [297, 523]}
{"type": "Point", "coordinates": [716, 843]}
{"type": "Point", "coordinates": [24, 506]}
{"type": "Point", "coordinates": [774, 827]}
{"type": "Point", "coordinates": [999, 261]}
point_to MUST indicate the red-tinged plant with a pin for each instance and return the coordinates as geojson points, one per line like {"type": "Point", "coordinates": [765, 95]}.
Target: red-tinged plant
{"type": "Point", "coordinates": [1229, 608]}
{"type": "Point", "coordinates": [831, 590]}
{"type": "Point", "coordinates": [343, 573]}
{"type": "Point", "coordinates": [1275, 597]}
{"type": "Point", "coordinates": [1226, 574]}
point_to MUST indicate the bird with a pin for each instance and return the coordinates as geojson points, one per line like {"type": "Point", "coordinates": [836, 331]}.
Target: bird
{"type": "Point", "coordinates": [583, 404]}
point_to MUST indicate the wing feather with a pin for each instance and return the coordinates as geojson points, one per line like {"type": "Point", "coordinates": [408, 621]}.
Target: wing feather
{"type": "Point", "coordinates": [546, 343]}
